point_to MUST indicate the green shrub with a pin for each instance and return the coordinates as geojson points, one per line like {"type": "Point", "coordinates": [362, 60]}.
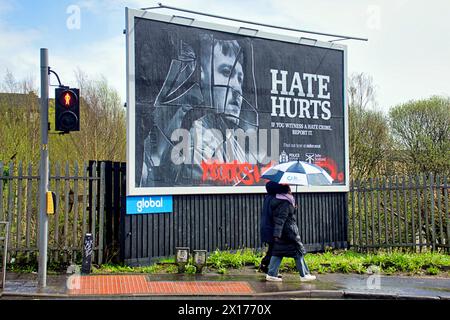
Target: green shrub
{"type": "Point", "coordinates": [227, 259]}
{"type": "Point", "coordinates": [222, 271]}
{"type": "Point", "coordinates": [432, 270]}
{"type": "Point", "coordinates": [190, 269]}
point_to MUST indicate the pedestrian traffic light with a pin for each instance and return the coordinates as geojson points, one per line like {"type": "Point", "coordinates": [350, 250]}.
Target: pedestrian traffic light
{"type": "Point", "coordinates": [67, 109]}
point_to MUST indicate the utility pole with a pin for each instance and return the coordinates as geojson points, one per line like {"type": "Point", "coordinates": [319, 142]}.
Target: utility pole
{"type": "Point", "coordinates": [43, 187]}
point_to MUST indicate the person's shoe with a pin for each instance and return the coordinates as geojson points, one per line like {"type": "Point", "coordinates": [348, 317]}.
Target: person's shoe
{"type": "Point", "coordinates": [308, 277]}
{"type": "Point", "coordinates": [263, 268]}
{"type": "Point", "coordinates": [274, 279]}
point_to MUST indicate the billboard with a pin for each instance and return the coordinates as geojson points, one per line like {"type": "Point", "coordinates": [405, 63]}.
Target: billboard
{"type": "Point", "coordinates": [211, 107]}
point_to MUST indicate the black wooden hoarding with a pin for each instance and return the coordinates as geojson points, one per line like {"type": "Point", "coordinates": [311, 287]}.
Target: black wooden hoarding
{"type": "Point", "coordinates": [210, 222]}
{"type": "Point", "coordinates": [229, 222]}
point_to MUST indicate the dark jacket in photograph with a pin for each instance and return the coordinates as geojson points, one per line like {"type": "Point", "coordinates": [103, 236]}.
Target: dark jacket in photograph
{"type": "Point", "coordinates": [286, 229]}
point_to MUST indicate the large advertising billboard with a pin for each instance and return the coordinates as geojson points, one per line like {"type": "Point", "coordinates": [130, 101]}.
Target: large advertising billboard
{"type": "Point", "coordinates": [213, 107]}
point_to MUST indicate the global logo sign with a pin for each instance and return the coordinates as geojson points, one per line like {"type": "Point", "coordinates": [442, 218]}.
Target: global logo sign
{"type": "Point", "coordinates": [149, 204]}
{"type": "Point", "coordinates": [141, 204]}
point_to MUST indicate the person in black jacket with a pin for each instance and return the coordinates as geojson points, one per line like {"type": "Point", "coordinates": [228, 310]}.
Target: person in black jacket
{"type": "Point", "coordinates": [286, 236]}
{"type": "Point", "coordinates": [272, 189]}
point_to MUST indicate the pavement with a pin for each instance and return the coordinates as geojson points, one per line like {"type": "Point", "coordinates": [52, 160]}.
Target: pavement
{"type": "Point", "coordinates": [243, 284]}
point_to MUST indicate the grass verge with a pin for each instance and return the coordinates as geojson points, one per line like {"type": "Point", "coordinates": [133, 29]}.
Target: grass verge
{"type": "Point", "coordinates": [337, 261]}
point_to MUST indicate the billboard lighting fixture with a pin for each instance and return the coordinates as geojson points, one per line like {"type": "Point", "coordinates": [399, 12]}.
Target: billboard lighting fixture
{"type": "Point", "coordinates": [182, 20]}
{"type": "Point", "coordinates": [248, 31]}
{"type": "Point", "coordinates": [341, 37]}
{"type": "Point", "coordinates": [308, 41]}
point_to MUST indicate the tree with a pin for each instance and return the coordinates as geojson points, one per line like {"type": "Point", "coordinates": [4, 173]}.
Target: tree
{"type": "Point", "coordinates": [102, 134]}
{"type": "Point", "coordinates": [19, 111]}
{"type": "Point", "coordinates": [421, 130]}
{"type": "Point", "coordinates": [369, 139]}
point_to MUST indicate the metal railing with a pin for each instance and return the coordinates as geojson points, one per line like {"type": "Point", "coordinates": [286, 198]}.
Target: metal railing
{"type": "Point", "coordinates": [400, 212]}
{"type": "Point", "coordinates": [4, 235]}
{"type": "Point", "coordinates": [79, 210]}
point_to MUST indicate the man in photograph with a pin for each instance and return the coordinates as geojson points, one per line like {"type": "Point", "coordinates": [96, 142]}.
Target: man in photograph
{"type": "Point", "coordinates": [203, 93]}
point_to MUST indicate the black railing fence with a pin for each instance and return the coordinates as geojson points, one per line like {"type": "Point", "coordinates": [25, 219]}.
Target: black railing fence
{"type": "Point", "coordinates": [391, 212]}
{"type": "Point", "coordinates": [79, 210]}
{"type": "Point", "coordinates": [400, 212]}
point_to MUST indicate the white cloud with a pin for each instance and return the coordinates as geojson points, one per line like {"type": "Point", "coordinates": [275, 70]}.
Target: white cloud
{"type": "Point", "coordinates": [18, 53]}
{"type": "Point", "coordinates": [105, 58]}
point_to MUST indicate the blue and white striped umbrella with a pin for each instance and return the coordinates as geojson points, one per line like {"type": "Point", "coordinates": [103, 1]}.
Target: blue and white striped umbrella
{"type": "Point", "coordinates": [298, 173]}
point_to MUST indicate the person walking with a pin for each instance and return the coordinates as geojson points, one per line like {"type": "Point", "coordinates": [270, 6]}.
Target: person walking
{"type": "Point", "coordinates": [286, 237]}
{"type": "Point", "coordinates": [266, 229]}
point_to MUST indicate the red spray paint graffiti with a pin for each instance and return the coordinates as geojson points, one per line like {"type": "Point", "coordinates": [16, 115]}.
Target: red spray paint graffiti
{"type": "Point", "coordinates": [233, 172]}
{"type": "Point", "coordinates": [331, 167]}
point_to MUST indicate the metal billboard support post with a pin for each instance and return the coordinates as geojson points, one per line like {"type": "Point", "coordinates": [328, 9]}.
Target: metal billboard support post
{"type": "Point", "coordinates": [43, 185]}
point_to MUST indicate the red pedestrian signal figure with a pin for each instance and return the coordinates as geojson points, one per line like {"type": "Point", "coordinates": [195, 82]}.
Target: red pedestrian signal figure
{"type": "Point", "coordinates": [67, 98]}
{"type": "Point", "coordinates": [67, 109]}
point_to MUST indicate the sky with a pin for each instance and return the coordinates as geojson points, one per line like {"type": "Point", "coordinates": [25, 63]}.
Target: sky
{"type": "Point", "coordinates": [407, 55]}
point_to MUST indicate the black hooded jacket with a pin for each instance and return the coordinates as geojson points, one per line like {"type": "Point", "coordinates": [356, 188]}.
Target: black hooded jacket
{"type": "Point", "coordinates": [286, 229]}
{"type": "Point", "coordinates": [266, 216]}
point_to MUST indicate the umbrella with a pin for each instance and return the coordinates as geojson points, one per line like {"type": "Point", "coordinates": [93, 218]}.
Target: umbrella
{"type": "Point", "coordinates": [298, 173]}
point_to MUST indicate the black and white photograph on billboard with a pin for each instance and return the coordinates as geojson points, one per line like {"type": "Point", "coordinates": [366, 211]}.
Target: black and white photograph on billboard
{"type": "Point", "coordinates": [221, 109]}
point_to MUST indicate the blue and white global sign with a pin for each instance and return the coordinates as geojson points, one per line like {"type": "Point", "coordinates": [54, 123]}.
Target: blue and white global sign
{"type": "Point", "coordinates": [149, 204]}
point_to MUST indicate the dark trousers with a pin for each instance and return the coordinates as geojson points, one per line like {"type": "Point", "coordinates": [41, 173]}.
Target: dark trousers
{"type": "Point", "coordinates": [265, 261]}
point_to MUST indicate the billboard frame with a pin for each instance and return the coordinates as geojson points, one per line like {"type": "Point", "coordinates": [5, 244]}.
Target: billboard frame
{"type": "Point", "coordinates": [132, 190]}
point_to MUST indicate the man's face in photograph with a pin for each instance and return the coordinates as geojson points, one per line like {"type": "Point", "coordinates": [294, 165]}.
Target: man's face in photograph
{"type": "Point", "coordinates": [228, 78]}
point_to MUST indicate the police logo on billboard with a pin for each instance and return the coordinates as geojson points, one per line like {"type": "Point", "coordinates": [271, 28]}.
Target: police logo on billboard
{"type": "Point", "coordinates": [284, 157]}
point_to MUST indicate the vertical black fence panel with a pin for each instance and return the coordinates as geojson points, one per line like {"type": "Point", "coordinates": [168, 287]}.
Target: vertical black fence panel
{"type": "Point", "coordinates": [109, 203]}
{"type": "Point", "coordinates": [412, 211]}
{"type": "Point", "coordinates": [343, 214]}
{"type": "Point", "coordinates": [419, 212]}
{"type": "Point", "coordinates": [398, 210]}
{"type": "Point", "coordinates": [124, 225]}
{"type": "Point", "coordinates": [117, 212]}
{"type": "Point", "coordinates": [446, 212]}
{"type": "Point", "coordinates": [144, 230]}
{"type": "Point", "coordinates": [378, 189]}
{"type": "Point", "coordinates": [441, 232]}
{"type": "Point", "coordinates": [309, 222]}
{"type": "Point", "coordinates": [211, 224]}
{"type": "Point", "coordinates": [433, 229]}
{"type": "Point", "coordinates": [405, 210]}
{"type": "Point", "coordinates": [425, 206]}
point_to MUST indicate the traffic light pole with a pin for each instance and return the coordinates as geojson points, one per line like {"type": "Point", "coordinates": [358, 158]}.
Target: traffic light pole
{"type": "Point", "coordinates": [43, 187]}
